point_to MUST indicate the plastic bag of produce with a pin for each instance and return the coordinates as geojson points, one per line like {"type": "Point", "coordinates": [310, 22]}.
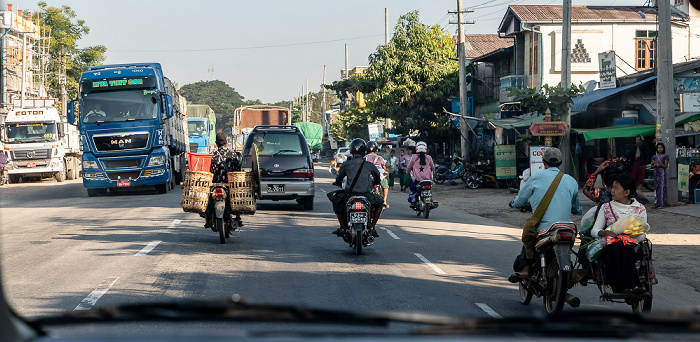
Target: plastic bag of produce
{"type": "Point", "coordinates": [588, 220]}
{"type": "Point", "coordinates": [632, 225]}
{"type": "Point", "coordinates": [594, 248]}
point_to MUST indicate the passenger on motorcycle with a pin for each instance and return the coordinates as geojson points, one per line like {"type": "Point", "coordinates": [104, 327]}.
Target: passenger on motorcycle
{"type": "Point", "coordinates": [223, 161]}
{"type": "Point", "coordinates": [618, 256]}
{"type": "Point", "coordinates": [380, 163]}
{"type": "Point", "coordinates": [366, 178]}
{"type": "Point", "coordinates": [564, 203]}
{"type": "Point", "coordinates": [420, 168]}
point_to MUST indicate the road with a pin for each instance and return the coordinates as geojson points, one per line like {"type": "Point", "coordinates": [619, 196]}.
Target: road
{"type": "Point", "coordinates": [62, 251]}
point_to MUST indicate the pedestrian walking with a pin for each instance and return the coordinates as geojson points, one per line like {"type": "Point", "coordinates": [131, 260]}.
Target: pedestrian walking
{"type": "Point", "coordinates": [659, 162]}
{"type": "Point", "coordinates": [393, 167]}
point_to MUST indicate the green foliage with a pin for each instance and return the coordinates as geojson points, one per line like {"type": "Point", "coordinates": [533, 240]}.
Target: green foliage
{"type": "Point", "coordinates": [66, 30]}
{"type": "Point", "coordinates": [218, 95]}
{"type": "Point", "coordinates": [557, 99]}
{"type": "Point", "coordinates": [352, 124]}
{"type": "Point", "coordinates": [351, 85]}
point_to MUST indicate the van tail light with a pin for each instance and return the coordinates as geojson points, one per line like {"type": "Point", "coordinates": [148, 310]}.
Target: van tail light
{"type": "Point", "coordinates": [218, 192]}
{"type": "Point", "coordinates": [357, 206]}
{"type": "Point", "coordinates": [303, 173]}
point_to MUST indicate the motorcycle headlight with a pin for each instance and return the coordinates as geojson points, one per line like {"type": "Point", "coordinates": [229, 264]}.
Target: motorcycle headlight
{"type": "Point", "coordinates": [90, 164]}
{"type": "Point", "coordinates": [156, 161]}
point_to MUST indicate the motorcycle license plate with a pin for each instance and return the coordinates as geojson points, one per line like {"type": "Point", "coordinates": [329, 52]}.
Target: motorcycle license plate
{"type": "Point", "coordinates": [275, 188]}
{"type": "Point", "coordinates": [427, 193]}
{"type": "Point", "coordinates": [358, 217]}
{"type": "Point", "coordinates": [123, 183]}
{"type": "Point", "coordinates": [31, 164]}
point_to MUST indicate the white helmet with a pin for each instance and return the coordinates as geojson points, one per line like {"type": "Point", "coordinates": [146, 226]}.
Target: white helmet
{"type": "Point", "coordinates": [421, 146]}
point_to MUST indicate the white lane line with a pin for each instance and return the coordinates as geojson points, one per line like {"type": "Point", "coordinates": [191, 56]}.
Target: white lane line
{"type": "Point", "coordinates": [391, 233]}
{"type": "Point", "coordinates": [488, 310]}
{"type": "Point", "coordinates": [174, 224]}
{"type": "Point", "coordinates": [148, 248]}
{"type": "Point", "coordinates": [95, 295]}
{"type": "Point", "coordinates": [427, 262]}
{"type": "Point", "coordinates": [324, 190]}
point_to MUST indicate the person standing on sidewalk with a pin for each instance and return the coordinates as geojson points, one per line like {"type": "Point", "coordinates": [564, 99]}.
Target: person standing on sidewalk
{"type": "Point", "coordinates": [403, 163]}
{"type": "Point", "coordinates": [638, 157]}
{"type": "Point", "coordinates": [393, 166]}
{"type": "Point", "coordinates": [660, 163]}
{"type": "Point", "coordinates": [406, 179]}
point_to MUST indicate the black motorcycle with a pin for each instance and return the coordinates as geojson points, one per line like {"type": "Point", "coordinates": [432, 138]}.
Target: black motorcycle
{"type": "Point", "coordinates": [549, 277]}
{"type": "Point", "coordinates": [424, 199]}
{"type": "Point", "coordinates": [358, 234]}
{"type": "Point", "coordinates": [223, 222]}
{"type": "Point", "coordinates": [484, 175]}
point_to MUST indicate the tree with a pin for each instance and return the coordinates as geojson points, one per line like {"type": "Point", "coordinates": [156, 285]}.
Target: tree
{"type": "Point", "coordinates": [352, 123]}
{"type": "Point", "coordinates": [557, 99]}
{"type": "Point", "coordinates": [66, 30]}
{"type": "Point", "coordinates": [221, 97]}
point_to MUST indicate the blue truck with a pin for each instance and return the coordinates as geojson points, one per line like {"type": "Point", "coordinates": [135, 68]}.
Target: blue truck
{"type": "Point", "coordinates": [201, 125]}
{"type": "Point", "coordinates": [133, 129]}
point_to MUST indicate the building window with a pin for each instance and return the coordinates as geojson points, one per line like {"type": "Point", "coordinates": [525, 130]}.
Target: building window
{"type": "Point", "coordinates": [645, 53]}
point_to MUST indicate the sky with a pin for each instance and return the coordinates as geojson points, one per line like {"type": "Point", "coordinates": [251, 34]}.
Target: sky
{"type": "Point", "coordinates": [264, 49]}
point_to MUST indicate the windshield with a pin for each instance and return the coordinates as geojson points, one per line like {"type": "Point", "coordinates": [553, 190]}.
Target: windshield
{"type": "Point", "coordinates": [18, 133]}
{"type": "Point", "coordinates": [197, 128]}
{"type": "Point", "coordinates": [274, 144]}
{"type": "Point", "coordinates": [119, 106]}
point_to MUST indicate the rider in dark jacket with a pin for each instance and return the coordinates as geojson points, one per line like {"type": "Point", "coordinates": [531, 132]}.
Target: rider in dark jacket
{"type": "Point", "coordinates": [223, 161]}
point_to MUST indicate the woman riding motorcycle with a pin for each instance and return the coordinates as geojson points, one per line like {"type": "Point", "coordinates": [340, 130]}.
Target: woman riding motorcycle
{"type": "Point", "coordinates": [421, 168]}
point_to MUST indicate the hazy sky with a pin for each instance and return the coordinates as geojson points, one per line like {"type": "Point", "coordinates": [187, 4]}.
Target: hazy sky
{"type": "Point", "coordinates": [264, 49]}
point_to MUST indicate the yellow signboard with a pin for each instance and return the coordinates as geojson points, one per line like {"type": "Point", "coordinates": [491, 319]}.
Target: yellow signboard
{"type": "Point", "coordinates": [683, 177]}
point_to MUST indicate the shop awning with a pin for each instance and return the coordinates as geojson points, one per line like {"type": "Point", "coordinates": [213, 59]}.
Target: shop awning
{"type": "Point", "coordinates": [581, 103]}
{"type": "Point", "coordinates": [624, 131]}
{"type": "Point", "coordinates": [687, 117]}
{"type": "Point", "coordinates": [516, 123]}
{"type": "Point", "coordinates": [490, 110]}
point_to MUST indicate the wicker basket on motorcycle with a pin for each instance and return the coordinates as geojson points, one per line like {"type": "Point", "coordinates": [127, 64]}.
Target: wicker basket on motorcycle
{"type": "Point", "coordinates": [242, 192]}
{"type": "Point", "coordinates": [195, 192]}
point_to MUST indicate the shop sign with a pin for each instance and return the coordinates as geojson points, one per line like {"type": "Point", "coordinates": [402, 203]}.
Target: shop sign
{"type": "Point", "coordinates": [376, 131]}
{"type": "Point", "coordinates": [690, 103]}
{"type": "Point", "coordinates": [536, 154]}
{"type": "Point", "coordinates": [683, 177]}
{"type": "Point", "coordinates": [608, 76]}
{"type": "Point", "coordinates": [548, 128]}
{"type": "Point", "coordinates": [505, 162]}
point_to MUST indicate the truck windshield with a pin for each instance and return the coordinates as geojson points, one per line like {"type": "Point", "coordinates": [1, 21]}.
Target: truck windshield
{"type": "Point", "coordinates": [118, 106]}
{"type": "Point", "coordinates": [197, 128]}
{"type": "Point", "coordinates": [17, 133]}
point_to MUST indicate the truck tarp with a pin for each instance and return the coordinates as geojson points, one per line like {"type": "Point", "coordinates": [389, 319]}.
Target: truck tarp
{"type": "Point", "coordinates": [313, 133]}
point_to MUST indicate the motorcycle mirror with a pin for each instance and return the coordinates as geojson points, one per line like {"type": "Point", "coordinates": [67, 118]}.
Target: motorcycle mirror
{"type": "Point", "coordinates": [333, 171]}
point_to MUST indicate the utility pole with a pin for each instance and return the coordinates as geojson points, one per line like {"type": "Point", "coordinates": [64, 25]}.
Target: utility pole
{"type": "Point", "coordinates": [62, 83]}
{"type": "Point", "coordinates": [665, 116]}
{"type": "Point", "coordinates": [347, 75]}
{"type": "Point", "coordinates": [323, 102]}
{"type": "Point", "coordinates": [24, 69]}
{"type": "Point", "coordinates": [308, 104]}
{"type": "Point", "coordinates": [387, 121]}
{"type": "Point", "coordinates": [566, 80]}
{"type": "Point", "coordinates": [303, 104]}
{"type": "Point", "coordinates": [462, 81]}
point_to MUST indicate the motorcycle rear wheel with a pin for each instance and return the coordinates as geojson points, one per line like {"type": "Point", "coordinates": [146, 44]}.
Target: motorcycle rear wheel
{"type": "Point", "coordinates": [553, 300]}
{"type": "Point", "coordinates": [426, 210]}
{"type": "Point", "coordinates": [439, 178]}
{"type": "Point", "coordinates": [473, 182]}
{"type": "Point", "coordinates": [525, 295]}
{"type": "Point", "coordinates": [358, 239]}
{"type": "Point", "coordinates": [222, 229]}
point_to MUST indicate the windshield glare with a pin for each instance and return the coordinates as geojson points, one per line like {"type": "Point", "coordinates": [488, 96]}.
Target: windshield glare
{"type": "Point", "coordinates": [272, 144]}
{"type": "Point", "coordinates": [30, 133]}
{"type": "Point", "coordinates": [197, 128]}
{"type": "Point", "coordinates": [117, 106]}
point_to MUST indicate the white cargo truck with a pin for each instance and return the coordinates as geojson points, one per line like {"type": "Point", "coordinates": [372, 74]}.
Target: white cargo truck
{"type": "Point", "coordinates": [38, 142]}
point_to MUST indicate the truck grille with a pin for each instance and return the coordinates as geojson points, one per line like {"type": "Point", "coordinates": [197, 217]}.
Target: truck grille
{"type": "Point", "coordinates": [121, 164]}
{"type": "Point", "coordinates": [31, 154]}
{"type": "Point", "coordinates": [194, 147]}
{"type": "Point", "coordinates": [120, 141]}
{"type": "Point", "coordinates": [133, 175]}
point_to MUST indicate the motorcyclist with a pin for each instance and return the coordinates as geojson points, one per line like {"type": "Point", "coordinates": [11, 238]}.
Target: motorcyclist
{"type": "Point", "coordinates": [420, 168]}
{"type": "Point", "coordinates": [379, 161]}
{"type": "Point", "coordinates": [223, 161]}
{"type": "Point", "coordinates": [366, 178]}
{"type": "Point", "coordinates": [3, 164]}
{"type": "Point", "coordinates": [564, 202]}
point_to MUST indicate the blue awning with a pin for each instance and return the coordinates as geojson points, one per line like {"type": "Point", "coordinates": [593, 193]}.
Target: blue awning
{"type": "Point", "coordinates": [581, 103]}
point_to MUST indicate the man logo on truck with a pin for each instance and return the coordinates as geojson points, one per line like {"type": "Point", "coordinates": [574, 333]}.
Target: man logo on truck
{"type": "Point", "coordinates": [120, 142]}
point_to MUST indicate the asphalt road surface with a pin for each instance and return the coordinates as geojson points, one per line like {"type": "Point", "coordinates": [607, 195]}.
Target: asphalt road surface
{"type": "Point", "coordinates": [62, 250]}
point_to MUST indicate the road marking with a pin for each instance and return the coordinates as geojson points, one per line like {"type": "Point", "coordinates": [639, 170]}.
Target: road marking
{"type": "Point", "coordinates": [175, 223]}
{"type": "Point", "coordinates": [391, 233]}
{"type": "Point", "coordinates": [324, 190]}
{"type": "Point", "coordinates": [427, 262]}
{"type": "Point", "coordinates": [95, 295]}
{"type": "Point", "coordinates": [488, 310]}
{"type": "Point", "coordinates": [148, 248]}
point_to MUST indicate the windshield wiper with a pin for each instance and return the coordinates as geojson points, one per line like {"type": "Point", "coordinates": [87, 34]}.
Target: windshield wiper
{"type": "Point", "coordinates": [234, 310]}
{"type": "Point", "coordinates": [282, 151]}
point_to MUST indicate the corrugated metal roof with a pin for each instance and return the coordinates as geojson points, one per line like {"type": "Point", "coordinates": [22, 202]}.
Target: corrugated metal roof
{"type": "Point", "coordinates": [476, 45]}
{"type": "Point", "coordinates": [546, 13]}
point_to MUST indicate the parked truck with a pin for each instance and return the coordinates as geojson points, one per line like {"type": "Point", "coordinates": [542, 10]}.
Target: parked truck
{"type": "Point", "coordinates": [247, 117]}
{"type": "Point", "coordinates": [40, 143]}
{"type": "Point", "coordinates": [201, 124]}
{"type": "Point", "coordinates": [133, 128]}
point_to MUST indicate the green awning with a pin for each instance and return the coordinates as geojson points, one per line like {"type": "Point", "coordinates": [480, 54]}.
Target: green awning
{"type": "Point", "coordinates": [490, 110]}
{"type": "Point", "coordinates": [516, 123]}
{"type": "Point", "coordinates": [623, 131]}
{"type": "Point", "coordinates": [688, 117]}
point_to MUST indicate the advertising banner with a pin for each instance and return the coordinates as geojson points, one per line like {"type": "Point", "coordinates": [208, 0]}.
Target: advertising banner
{"type": "Point", "coordinates": [536, 154]}
{"type": "Point", "coordinates": [608, 76]}
{"type": "Point", "coordinates": [376, 131]}
{"type": "Point", "coordinates": [683, 177]}
{"type": "Point", "coordinates": [505, 162]}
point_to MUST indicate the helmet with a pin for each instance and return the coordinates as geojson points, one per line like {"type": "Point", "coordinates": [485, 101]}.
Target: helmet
{"type": "Point", "coordinates": [372, 146]}
{"type": "Point", "coordinates": [358, 146]}
{"type": "Point", "coordinates": [421, 146]}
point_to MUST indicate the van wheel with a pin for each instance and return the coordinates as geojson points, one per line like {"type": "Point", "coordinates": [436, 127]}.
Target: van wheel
{"type": "Point", "coordinates": [307, 203]}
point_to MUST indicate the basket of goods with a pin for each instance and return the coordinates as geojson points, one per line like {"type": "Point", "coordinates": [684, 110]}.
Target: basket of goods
{"type": "Point", "coordinates": [632, 225]}
{"type": "Point", "coordinates": [195, 192]}
{"type": "Point", "coordinates": [241, 186]}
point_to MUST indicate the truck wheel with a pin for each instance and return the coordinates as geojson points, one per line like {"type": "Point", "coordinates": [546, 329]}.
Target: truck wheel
{"type": "Point", "coordinates": [70, 171]}
{"type": "Point", "coordinates": [61, 175]}
{"type": "Point", "coordinates": [14, 179]}
{"type": "Point", "coordinates": [95, 192]}
{"type": "Point", "coordinates": [163, 188]}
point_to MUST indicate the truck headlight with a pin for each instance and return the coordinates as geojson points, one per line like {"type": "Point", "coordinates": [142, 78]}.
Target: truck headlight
{"type": "Point", "coordinates": [156, 161]}
{"type": "Point", "coordinates": [89, 164]}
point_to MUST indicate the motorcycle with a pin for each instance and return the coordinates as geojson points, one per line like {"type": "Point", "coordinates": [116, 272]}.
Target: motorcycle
{"type": "Point", "coordinates": [424, 199]}
{"type": "Point", "coordinates": [4, 175]}
{"type": "Point", "coordinates": [549, 277]}
{"type": "Point", "coordinates": [358, 212]}
{"type": "Point", "coordinates": [223, 223]}
{"type": "Point", "coordinates": [484, 176]}
{"type": "Point", "coordinates": [443, 173]}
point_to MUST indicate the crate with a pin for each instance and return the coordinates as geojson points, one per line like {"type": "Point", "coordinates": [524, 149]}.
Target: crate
{"type": "Point", "coordinates": [242, 192]}
{"type": "Point", "coordinates": [199, 161]}
{"type": "Point", "coordinates": [195, 193]}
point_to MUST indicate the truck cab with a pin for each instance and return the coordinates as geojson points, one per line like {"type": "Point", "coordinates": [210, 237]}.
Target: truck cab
{"type": "Point", "coordinates": [198, 129]}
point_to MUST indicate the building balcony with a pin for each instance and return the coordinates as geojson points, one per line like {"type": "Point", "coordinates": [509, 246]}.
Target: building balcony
{"type": "Point", "coordinates": [514, 81]}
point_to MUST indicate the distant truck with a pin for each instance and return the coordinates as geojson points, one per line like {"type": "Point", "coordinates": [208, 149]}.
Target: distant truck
{"type": "Point", "coordinates": [201, 125]}
{"type": "Point", "coordinates": [247, 117]}
{"type": "Point", "coordinates": [313, 133]}
{"type": "Point", "coordinates": [133, 128]}
{"type": "Point", "coordinates": [40, 143]}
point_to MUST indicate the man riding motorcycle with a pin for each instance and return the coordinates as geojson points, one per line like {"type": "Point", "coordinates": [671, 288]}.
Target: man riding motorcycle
{"type": "Point", "coordinates": [379, 161]}
{"type": "Point", "coordinates": [223, 161]}
{"type": "Point", "coordinates": [366, 177]}
{"type": "Point", "coordinates": [564, 202]}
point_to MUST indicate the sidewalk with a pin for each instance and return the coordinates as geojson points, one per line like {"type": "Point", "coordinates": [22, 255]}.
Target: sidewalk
{"type": "Point", "coordinates": [681, 208]}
